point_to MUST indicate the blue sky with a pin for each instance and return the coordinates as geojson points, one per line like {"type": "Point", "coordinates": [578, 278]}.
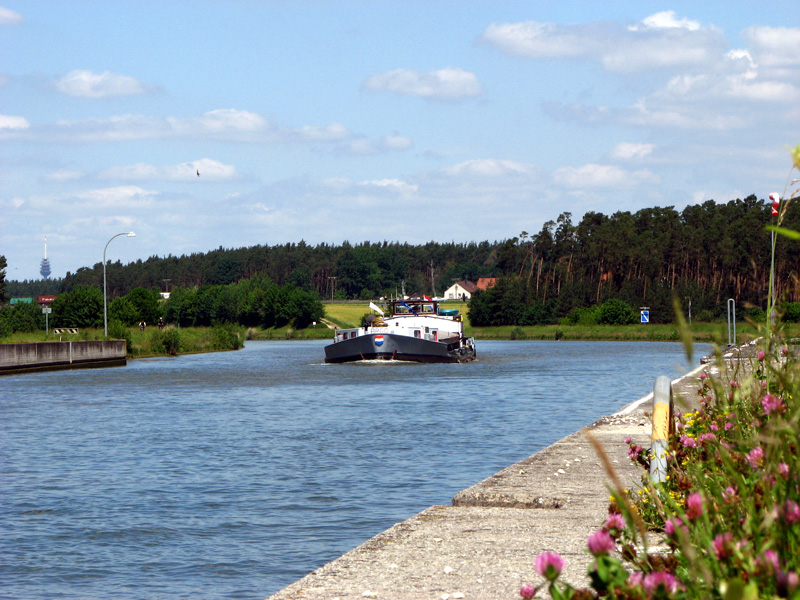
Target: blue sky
{"type": "Point", "coordinates": [400, 121]}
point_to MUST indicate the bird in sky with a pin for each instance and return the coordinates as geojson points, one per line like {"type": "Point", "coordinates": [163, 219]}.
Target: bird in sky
{"type": "Point", "coordinates": [198, 172]}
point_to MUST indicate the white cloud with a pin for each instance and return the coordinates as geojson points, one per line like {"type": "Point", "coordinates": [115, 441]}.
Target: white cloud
{"type": "Point", "coordinates": [328, 133]}
{"type": "Point", "coordinates": [487, 167]}
{"type": "Point", "coordinates": [665, 20]}
{"type": "Point", "coordinates": [774, 46]}
{"type": "Point", "coordinates": [396, 142]}
{"type": "Point", "coordinates": [9, 17]}
{"type": "Point", "coordinates": [63, 176]}
{"type": "Point", "coordinates": [631, 151]}
{"type": "Point", "coordinates": [659, 42]}
{"type": "Point", "coordinates": [392, 185]}
{"type": "Point", "coordinates": [595, 175]}
{"type": "Point", "coordinates": [126, 195]}
{"type": "Point", "coordinates": [86, 84]}
{"type": "Point", "coordinates": [363, 146]}
{"type": "Point", "coordinates": [444, 84]}
{"type": "Point", "coordinates": [13, 122]}
{"type": "Point", "coordinates": [220, 124]}
{"type": "Point", "coordinates": [209, 170]}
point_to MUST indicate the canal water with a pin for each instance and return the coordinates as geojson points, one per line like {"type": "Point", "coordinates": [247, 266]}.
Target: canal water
{"type": "Point", "coordinates": [231, 475]}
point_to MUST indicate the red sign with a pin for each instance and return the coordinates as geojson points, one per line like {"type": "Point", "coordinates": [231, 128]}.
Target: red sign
{"type": "Point", "coordinates": [46, 299]}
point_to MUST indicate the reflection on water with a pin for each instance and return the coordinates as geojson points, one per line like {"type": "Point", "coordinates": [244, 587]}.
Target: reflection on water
{"type": "Point", "coordinates": [234, 474]}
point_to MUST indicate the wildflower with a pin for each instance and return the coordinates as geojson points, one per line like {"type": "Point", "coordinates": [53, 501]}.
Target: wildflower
{"type": "Point", "coordinates": [672, 526]}
{"type": "Point", "coordinates": [694, 506]}
{"type": "Point", "coordinates": [703, 375]}
{"type": "Point", "coordinates": [707, 437]}
{"type": "Point", "coordinates": [768, 561]}
{"type": "Point", "coordinates": [635, 579]}
{"type": "Point", "coordinates": [761, 355]}
{"type": "Point", "coordinates": [688, 442]}
{"type": "Point", "coordinates": [791, 512]}
{"type": "Point", "coordinates": [783, 470]}
{"type": "Point", "coordinates": [549, 565]}
{"type": "Point", "coordinates": [634, 451]}
{"type": "Point", "coordinates": [722, 545]}
{"type": "Point", "coordinates": [771, 404]}
{"type": "Point", "coordinates": [660, 581]}
{"type": "Point", "coordinates": [734, 384]}
{"type": "Point", "coordinates": [787, 583]}
{"type": "Point", "coordinates": [600, 543]}
{"type": "Point", "coordinates": [730, 495]}
{"type": "Point", "coordinates": [728, 426]}
{"type": "Point", "coordinates": [527, 591]}
{"type": "Point", "coordinates": [756, 457]}
{"type": "Point", "coordinates": [627, 440]}
{"type": "Point", "coordinates": [614, 524]}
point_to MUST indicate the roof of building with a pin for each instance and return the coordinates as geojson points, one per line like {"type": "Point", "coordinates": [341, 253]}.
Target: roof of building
{"type": "Point", "coordinates": [484, 283]}
{"type": "Point", "coordinates": [467, 285]}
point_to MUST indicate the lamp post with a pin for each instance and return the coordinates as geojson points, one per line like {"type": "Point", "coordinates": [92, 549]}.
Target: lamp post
{"type": "Point", "coordinates": [105, 302]}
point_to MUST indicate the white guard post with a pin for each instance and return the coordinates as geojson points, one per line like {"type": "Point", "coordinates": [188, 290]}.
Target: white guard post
{"type": "Point", "coordinates": [662, 421]}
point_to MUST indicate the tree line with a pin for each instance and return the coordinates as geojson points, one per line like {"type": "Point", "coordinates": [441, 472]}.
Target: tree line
{"type": "Point", "coordinates": [255, 302]}
{"type": "Point", "coordinates": [702, 255]}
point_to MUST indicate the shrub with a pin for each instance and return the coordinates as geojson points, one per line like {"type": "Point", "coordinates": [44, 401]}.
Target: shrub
{"type": "Point", "coordinates": [118, 331]}
{"type": "Point", "coordinates": [518, 333]}
{"type": "Point", "coordinates": [791, 312]}
{"type": "Point", "coordinates": [225, 337]}
{"type": "Point", "coordinates": [165, 341]}
{"type": "Point", "coordinates": [615, 312]}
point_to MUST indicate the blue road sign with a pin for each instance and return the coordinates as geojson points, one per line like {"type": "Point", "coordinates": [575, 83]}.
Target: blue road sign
{"type": "Point", "coordinates": [645, 316]}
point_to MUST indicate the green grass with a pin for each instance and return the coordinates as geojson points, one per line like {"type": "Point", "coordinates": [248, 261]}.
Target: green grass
{"type": "Point", "coordinates": [350, 314]}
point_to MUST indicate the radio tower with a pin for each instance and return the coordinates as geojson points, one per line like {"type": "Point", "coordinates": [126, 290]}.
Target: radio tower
{"type": "Point", "coordinates": [45, 270]}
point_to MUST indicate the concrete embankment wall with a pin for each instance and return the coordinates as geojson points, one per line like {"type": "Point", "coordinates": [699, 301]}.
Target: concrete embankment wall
{"type": "Point", "coordinates": [45, 356]}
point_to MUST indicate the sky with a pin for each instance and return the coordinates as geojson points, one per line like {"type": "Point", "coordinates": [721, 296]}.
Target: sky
{"type": "Point", "coordinates": [403, 121]}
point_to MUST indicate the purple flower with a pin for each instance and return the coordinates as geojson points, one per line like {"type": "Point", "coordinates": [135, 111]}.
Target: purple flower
{"type": "Point", "coordinates": [756, 457]}
{"type": "Point", "coordinates": [787, 582]}
{"type": "Point", "coordinates": [672, 526]}
{"type": "Point", "coordinates": [635, 579]}
{"type": "Point", "coordinates": [627, 440]}
{"type": "Point", "coordinates": [600, 543]}
{"type": "Point", "coordinates": [707, 437]}
{"type": "Point", "coordinates": [761, 355]}
{"type": "Point", "coordinates": [549, 565]}
{"type": "Point", "coordinates": [734, 384]}
{"type": "Point", "coordinates": [660, 581]}
{"type": "Point", "coordinates": [791, 512]}
{"type": "Point", "coordinates": [722, 545]}
{"type": "Point", "coordinates": [694, 506]}
{"type": "Point", "coordinates": [614, 524]}
{"type": "Point", "coordinates": [728, 426]}
{"type": "Point", "coordinates": [768, 561]}
{"type": "Point", "coordinates": [783, 470]}
{"type": "Point", "coordinates": [634, 451]}
{"type": "Point", "coordinates": [730, 495]}
{"type": "Point", "coordinates": [527, 591]}
{"type": "Point", "coordinates": [771, 404]}
{"type": "Point", "coordinates": [688, 442]}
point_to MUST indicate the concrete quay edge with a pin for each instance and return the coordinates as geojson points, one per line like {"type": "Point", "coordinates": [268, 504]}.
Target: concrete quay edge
{"type": "Point", "coordinates": [484, 545]}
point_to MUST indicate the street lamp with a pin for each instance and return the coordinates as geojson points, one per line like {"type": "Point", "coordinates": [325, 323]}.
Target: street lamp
{"type": "Point", "coordinates": [105, 304]}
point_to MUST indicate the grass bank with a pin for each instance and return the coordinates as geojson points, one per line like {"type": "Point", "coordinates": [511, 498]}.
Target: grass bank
{"type": "Point", "coordinates": [151, 341]}
{"type": "Point", "coordinates": [350, 314]}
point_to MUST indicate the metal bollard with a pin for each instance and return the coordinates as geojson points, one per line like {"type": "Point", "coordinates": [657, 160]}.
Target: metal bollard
{"type": "Point", "coordinates": [662, 424]}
